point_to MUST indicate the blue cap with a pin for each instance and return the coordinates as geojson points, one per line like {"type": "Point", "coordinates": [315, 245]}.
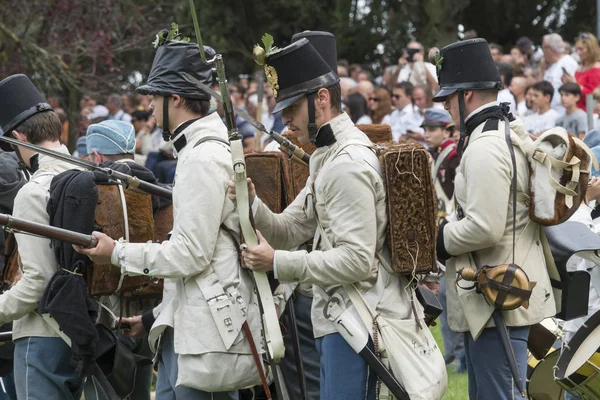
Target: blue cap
{"type": "Point", "coordinates": [436, 117]}
{"type": "Point", "coordinates": [81, 147]}
{"type": "Point", "coordinates": [592, 140]}
{"type": "Point", "coordinates": [111, 137]}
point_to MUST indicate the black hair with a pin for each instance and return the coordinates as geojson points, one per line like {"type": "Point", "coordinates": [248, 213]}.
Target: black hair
{"type": "Point", "coordinates": [572, 88]}
{"type": "Point", "coordinates": [196, 106]}
{"type": "Point", "coordinates": [545, 87]}
{"type": "Point", "coordinates": [141, 115]}
{"type": "Point", "coordinates": [406, 86]}
{"type": "Point", "coordinates": [335, 97]}
{"type": "Point", "coordinates": [357, 105]}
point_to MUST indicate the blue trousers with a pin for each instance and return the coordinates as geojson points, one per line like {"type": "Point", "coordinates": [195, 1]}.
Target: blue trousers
{"type": "Point", "coordinates": [308, 350]}
{"type": "Point", "coordinates": [490, 377]}
{"type": "Point", "coordinates": [167, 377]}
{"type": "Point", "coordinates": [42, 368]}
{"type": "Point", "coordinates": [344, 374]}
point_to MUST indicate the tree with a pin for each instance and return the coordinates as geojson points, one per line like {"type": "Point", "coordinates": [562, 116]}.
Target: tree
{"type": "Point", "coordinates": [69, 47]}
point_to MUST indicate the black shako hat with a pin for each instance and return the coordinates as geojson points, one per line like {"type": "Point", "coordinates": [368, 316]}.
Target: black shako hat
{"type": "Point", "coordinates": [466, 65]}
{"type": "Point", "coordinates": [324, 43]}
{"type": "Point", "coordinates": [170, 62]}
{"type": "Point", "coordinates": [297, 70]}
{"type": "Point", "coordinates": [19, 100]}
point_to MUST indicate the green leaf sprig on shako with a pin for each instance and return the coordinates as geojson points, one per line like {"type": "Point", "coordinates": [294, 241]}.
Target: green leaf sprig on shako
{"type": "Point", "coordinates": [260, 55]}
{"type": "Point", "coordinates": [172, 35]}
{"type": "Point", "coordinates": [438, 62]}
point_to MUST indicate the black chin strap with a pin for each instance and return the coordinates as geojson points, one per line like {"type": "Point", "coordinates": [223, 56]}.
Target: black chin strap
{"type": "Point", "coordinates": [463, 130]}
{"type": "Point", "coordinates": [322, 136]}
{"type": "Point", "coordinates": [166, 133]}
{"type": "Point", "coordinates": [312, 125]}
{"type": "Point", "coordinates": [22, 166]}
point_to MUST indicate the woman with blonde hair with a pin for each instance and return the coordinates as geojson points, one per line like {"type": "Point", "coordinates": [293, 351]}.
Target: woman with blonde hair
{"type": "Point", "coordinates": [380, 106]}
{"type": "Point", "coordinates": [588, 73]}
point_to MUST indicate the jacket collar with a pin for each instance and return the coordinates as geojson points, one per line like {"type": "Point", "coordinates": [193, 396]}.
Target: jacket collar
{"type": "Point", "coordinates": [340, 126]}
{"type": "Point", "coordinates": [50, 164]}
{"type": "Point", "coordinates": [480, 109]}
{"type": "Point", "coordinates": [344, 131]}
{"type": "Point", "coordinates": [211, 125]}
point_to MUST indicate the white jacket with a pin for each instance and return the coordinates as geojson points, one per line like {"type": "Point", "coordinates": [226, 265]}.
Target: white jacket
{"type": "Point", "coordinates": [350, 203]}
{"type": "Point", "coordinates": [197, 243]}
{"type": "Point", "coordinates": [37, 260]}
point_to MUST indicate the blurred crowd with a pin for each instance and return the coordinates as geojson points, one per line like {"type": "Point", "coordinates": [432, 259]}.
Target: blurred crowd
{"type": "Point", "coordinates": [545, 84]}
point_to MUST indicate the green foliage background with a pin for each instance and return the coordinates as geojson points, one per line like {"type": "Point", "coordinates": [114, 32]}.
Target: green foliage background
{"type": "Point", "coordinates": [71, 47]}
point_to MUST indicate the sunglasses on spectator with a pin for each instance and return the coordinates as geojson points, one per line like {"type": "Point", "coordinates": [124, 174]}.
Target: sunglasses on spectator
{"type": "Point", "coordinates": [584, 35]}
{"type": "Point", "coordinates": [375, 99]}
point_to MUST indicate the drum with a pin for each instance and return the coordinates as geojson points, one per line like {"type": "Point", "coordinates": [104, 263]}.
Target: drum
{"type": "Point", "coordinates": [540, 377]}
{"type": "Point", "coordinates": [578, 367]}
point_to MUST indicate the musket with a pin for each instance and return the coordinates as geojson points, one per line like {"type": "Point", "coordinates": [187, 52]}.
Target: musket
{"type": "Point", "coordinates": [129, 181]}
{"type": "Point", "coordinates": [34, 228]}
{"type": "Point", "coordinates": [260, 90]}
{"type": "Point", "coordinates": [271, 328]}
{"type": "Point", "coordinates": [285, 144]}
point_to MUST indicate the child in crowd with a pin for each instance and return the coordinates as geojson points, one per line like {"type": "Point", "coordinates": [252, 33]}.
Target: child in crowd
{"type": "Point", "coordinates": [575, 119]}
{"type": "Point", "coordinates": [545, 117]}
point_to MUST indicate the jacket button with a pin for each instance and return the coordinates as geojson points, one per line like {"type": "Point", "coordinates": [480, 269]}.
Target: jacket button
{"type": "Point", "coordinates": [146, 270]}
{"type": "Point", "coordinates": [537, 242]}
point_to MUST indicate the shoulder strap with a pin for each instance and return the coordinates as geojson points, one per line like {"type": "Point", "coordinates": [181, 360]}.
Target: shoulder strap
{"type": "Point", "coordinates": [211, 138]}
{"type": "Point", "coordinates": [513, 184]}
{"type": "Point", "coordinates": [441, 157]}
{"type": "Point", "coordinates": [513, 189]}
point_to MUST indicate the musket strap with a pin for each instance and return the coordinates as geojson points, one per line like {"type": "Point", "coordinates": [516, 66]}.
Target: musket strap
{"type": "Point", "coordinates": [257, 360]}
{"type": "Point", "coordinates": [274, 338]}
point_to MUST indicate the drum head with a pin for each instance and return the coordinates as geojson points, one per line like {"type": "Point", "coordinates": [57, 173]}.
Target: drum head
{"type": "Point", "coordinates": [541, 385]}
{"type": "Point", "coordinates": [580, 349]}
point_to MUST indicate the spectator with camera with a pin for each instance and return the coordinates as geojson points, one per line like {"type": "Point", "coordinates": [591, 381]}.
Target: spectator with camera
{"type": "Point", "coordinates": [414, 69]}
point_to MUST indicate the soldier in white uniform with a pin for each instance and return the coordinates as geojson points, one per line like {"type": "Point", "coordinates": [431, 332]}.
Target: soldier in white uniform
{"type": "Point", "coordinates": [483, 235]}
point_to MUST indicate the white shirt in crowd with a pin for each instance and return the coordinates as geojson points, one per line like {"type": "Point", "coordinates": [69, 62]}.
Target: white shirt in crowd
{"type": "Point", "coordinates": [365, 119]}
{"type": "Point", "coordinates": [554, 75]}
{"type": "Point", "coordinates": [505, 96]}
{"type": "Point", "coordinates": [537, 123]}
{"type": "Point", "coordinates": [404, 120]}
{"type": "Point", "coordinates": [121, 116]}
{"type": "Point", "coordinates": [522, 110]}
{"type": "Point", "coordinates": [406, 71]}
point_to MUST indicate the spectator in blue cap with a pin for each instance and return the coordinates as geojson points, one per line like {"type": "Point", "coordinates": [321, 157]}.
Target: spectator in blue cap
{"type": "Point", "coordinates": [110, 140]}
{"type": "Point", "coordinates": [81, 148]}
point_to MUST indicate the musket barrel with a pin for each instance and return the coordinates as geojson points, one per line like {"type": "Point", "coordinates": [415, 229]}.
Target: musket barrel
{"type": "Point", "coordinates": [51, 232]}
{"type": "Point", "coordinates": [131, 181]}
{"type": "Point", "coordinates": [135, 183]}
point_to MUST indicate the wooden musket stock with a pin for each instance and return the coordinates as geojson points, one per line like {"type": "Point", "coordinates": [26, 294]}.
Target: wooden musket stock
{"type": "Point", "coordinates": [51, 232]}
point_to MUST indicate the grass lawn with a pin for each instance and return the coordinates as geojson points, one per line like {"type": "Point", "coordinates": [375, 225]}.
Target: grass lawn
{"type": "Point", "coordinates": [457, 383]}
